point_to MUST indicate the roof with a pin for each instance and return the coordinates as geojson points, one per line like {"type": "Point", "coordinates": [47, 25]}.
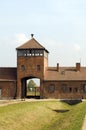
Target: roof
{"type": "Point", "coordinates": [8, 74]}
{"type": "Point", "coordinates": [65, 74]}
{"type": "Point", "coordinates": [31, 44]}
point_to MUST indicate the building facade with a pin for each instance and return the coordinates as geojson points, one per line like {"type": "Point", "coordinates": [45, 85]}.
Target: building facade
{"type": "Point", "coordinates": [8, 83]}
{"type": "Point", "coordinates": [55, 82]}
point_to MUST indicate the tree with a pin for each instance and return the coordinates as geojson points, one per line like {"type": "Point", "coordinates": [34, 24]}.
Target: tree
{"type": "Point", "coordinates": [31, 86]}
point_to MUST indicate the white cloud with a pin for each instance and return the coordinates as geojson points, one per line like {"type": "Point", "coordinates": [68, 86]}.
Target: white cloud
{"type": "Point", "coordinates": [14, 40]}
{"type": "Point", "coordinates": [21, 38]}
{"type": "Point", "coordinates": [77, 47]}
{"type": "Point", "coordinates": [9, 45]}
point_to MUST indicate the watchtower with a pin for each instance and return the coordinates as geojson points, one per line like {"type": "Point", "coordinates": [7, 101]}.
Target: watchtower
{"type": "Point", "coordinates": [32, 61]}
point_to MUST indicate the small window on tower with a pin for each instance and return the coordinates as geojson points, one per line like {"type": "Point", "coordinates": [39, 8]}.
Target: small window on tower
{"type": "Point", "coordinates": [38, 67]}
{"type": "Point", "coordinates": [22, 67]}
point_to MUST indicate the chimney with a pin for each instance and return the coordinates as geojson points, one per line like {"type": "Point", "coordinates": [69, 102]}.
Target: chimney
{"type": "Point", "coordinates": [57, 66]}
{"type": "Point", "coordinates": [77, 66]}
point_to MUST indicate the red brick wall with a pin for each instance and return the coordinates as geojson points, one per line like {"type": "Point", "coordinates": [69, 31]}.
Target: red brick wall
{"type": "Point", "coordinates": [30, 64]}
{"type": "Point", "coordinates": [45, 64]}
{"type": "Point", "coordinates": [8, 89]}
{"type": "Point", "coordinates": [59, 94]}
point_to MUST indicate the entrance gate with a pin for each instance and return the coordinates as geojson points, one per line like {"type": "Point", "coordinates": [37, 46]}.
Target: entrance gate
{"type": "Point", "coordinates": [29, 94]}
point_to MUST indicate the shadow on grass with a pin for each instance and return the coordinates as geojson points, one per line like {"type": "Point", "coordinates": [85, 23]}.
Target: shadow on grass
{"type": "Point", "coordinates": [61, 110]}
{"type": "Point", "coordinates": [71, 101]}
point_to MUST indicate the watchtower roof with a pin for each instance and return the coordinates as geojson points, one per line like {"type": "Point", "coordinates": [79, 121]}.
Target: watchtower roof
{"type": "Point", "coordinates": [31, 44]}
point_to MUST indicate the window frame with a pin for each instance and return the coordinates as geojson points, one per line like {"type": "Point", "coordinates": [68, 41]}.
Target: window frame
{"type": "Point", "coordinates": [22, 68]}
{"type": "Point", "coordinates": [38, 68]}
{"type": "Point", "coordinates": [76, 89]}
{"type": "Point", "coordinates": [51, 88]}
{"type": "Point", "coordinates": [70, 89]}
{"type": "Point", "coordinates": [64, 88]}
{"type": "Point", "coordinates": [84, 88]}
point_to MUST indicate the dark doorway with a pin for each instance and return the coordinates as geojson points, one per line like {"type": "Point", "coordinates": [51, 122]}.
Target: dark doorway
{"type": "Point", "coordinates": [30, 88]}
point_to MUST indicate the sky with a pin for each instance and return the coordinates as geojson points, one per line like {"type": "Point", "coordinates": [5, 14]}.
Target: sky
{"type": "Point", "coordinates": [58, 25]}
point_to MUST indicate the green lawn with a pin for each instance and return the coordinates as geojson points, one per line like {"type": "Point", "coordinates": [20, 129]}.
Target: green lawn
{"type": "Point", "coordinates": [42, 115]}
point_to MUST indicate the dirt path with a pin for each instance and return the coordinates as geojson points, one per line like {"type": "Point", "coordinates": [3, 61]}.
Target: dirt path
{"type": "Point", "coordinates": [84, 124]}
{"type": "Point", "coordinates": [8, 102]}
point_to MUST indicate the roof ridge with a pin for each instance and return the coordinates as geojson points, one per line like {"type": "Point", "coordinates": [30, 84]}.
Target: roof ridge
{"type": "Point", "coordinates": [37, 42]}
{"type": "Point", "coordinates": [31, 44]}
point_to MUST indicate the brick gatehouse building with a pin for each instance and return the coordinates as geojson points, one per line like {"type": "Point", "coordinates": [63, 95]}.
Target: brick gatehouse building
{"type": "Point", "coordinates": [55, 82]}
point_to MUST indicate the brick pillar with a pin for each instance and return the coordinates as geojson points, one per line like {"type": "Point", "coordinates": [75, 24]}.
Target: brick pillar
{"type": "Point", "coordinates": [19, 88]}
{"type": "Point", "coordinates": [41, 89]}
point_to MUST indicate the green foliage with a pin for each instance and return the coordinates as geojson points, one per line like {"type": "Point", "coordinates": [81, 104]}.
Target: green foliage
{"type": "Point", "coordinates": [31, 85]}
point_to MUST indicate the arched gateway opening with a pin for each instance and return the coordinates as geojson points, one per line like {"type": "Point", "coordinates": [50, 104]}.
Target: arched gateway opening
{"type": "Point", "coordinates": [30, 87]}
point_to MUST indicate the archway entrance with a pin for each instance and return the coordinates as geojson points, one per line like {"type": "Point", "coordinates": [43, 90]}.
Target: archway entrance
{"type": "Point", "coordinates": [30, 87]}
{"type": "Point", "coordinates": [33, 88]}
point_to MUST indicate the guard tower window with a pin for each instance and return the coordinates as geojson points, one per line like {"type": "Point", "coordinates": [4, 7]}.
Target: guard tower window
{"type": "Point", "coordinates": [28, 52]}
{"type": "Point", "coordinates": [21, 53]}
{"type": "Point", "coordinates": [22, 67]}
{"type": "Point", "coordinates": [41, 52]}
{"type": "Point", "coordinates": [37, 52]}
{"type": "Point", "coordinates": [38, 68]}
{"type": "Point", "coordinates": [32, 52]}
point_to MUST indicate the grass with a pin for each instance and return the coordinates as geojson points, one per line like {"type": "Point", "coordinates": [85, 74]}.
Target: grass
{"type": "Point", "coordinates": [42, 115]}
{"type": "Point", "coordinates": [29, 93]}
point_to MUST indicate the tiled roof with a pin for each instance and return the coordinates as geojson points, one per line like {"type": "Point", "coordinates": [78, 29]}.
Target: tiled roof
{"type": "Point", "coordinates": [65, 74]}
{"type": "Point", "coordinates": [7, 73]}
{"type": "Point", "coordinates": [31, 44]}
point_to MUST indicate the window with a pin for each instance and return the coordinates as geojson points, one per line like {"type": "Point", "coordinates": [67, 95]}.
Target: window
{"type": "Point", "coordinates": [41, 52]}
{"type": "Point", "coordinates": [28, 53]}
{"type": "Point", "coordinates": [20, 53]}
{"type": "Point", "coordinates": [32, 52]}
{"type": "Point", "coordinates": [38, 67]}
{"type": "Point", "coordinates": [84, 88]}
{"type": "Point", "coordinates": [51, 88]}
{"type": "Point", "coordinates": [70, 89]}
{"type": "Point", "coordinates": [22, 67]}
{"type": "Point", "coordinates": [24, 53]}
{"type": "Point", "coordinates": [37, 52]}
{"type": "Point", "coordinates": [64, 88]}
{"type": "Point", "coordinates": [75, 89]}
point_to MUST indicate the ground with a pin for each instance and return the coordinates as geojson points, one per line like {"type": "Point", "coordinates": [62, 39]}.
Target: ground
{"type": "Point", "coordinates": [72, 111]}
